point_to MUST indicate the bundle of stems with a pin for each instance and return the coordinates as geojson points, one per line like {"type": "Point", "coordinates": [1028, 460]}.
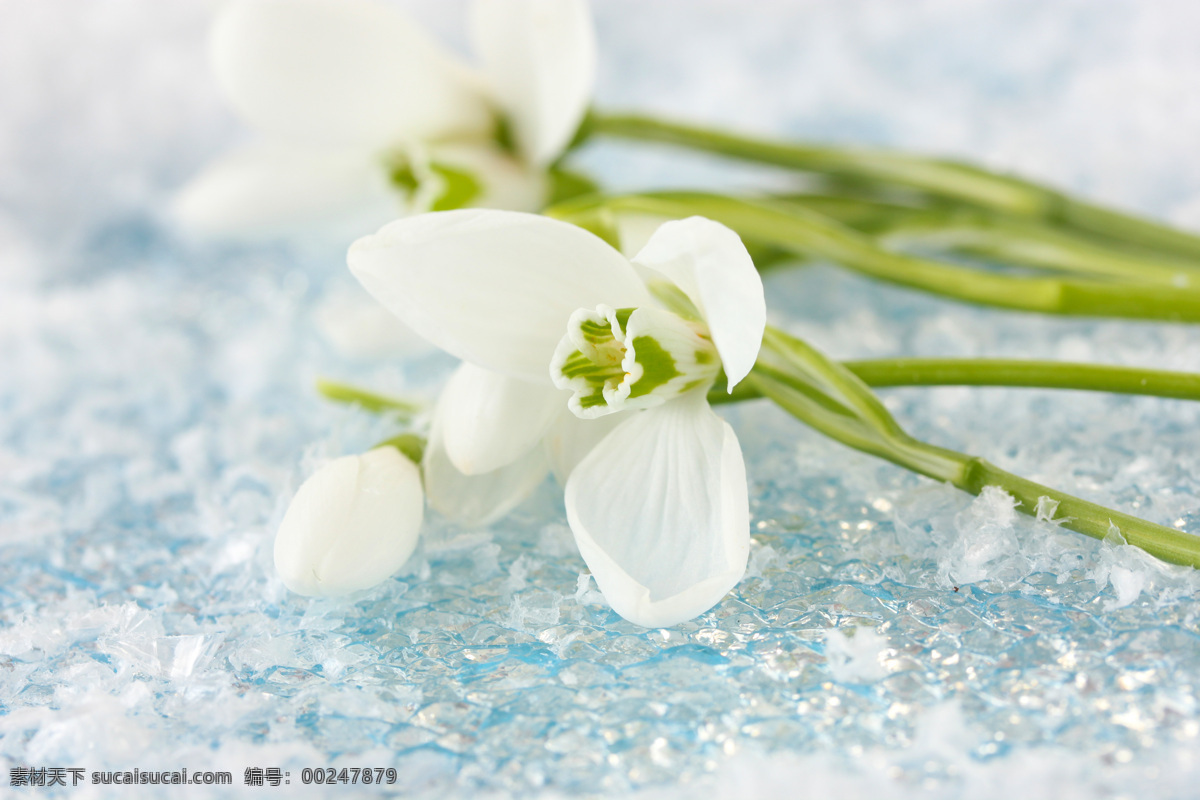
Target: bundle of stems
{"type": "Point", "coordinates": [1033, 266]}
{"type": "Point", "coordinates": [943, 183]}
{"type": "Point", "coordinates": [937, 226]}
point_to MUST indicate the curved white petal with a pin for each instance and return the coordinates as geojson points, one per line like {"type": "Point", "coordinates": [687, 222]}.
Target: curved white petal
{"type": "Point", "coordinates": [570, 439]}
{"type": "Point", "coordinates": [710, 264]}
{"type": "Point", "coordinates": [489, 420]}
{"type": "Point", "coordinates": [341, 72]}
{"type": "Point", "coordinates": [660, 513]}
{"type": "Point", "coordinates": [270, 190]}
{"type": "Point", "coordinates": [351, 524]}
{"type": "Point", "coordinates": [540, 56]}
{"type": "Point", "coordinates": [494, 288]}
{"type": "Point", "coordinates": [478, 499]}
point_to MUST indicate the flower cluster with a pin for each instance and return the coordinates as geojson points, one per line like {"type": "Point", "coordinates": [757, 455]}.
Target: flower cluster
{"type": "Point", "coordinates": [362, 116]}
{"type": "Point", "coordinates": [578, 359]}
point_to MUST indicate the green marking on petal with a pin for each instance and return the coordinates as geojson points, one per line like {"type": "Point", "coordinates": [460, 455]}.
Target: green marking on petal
{"type": "Point", "coordinates": [657, 366]}
{"type": "Point", "coordinates": [459, 187]}
{"type": "Point", "coordinates": [579, 365]}
{"type": "Point", "coordinates": [593, 400]}
{"type": "Point", "coordinates": [596, 333]}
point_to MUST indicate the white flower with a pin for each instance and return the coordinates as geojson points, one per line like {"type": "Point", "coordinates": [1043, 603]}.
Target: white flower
{"type": "Point", "coordinates": [657, 499]}
{"type": "Point", "coordinates": [362, 116]}
{"type": "Point", "coordinates": [351, 524]}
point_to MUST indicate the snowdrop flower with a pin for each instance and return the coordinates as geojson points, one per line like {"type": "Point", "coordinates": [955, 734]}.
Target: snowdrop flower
{"type": "Point", "coordinates": [351, 524]}
{"type": "Point", "coordinates": [536, 308]}
{"type": "Point", "coordinates": [362, 116]}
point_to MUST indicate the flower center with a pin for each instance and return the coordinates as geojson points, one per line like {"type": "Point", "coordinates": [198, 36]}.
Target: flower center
{"type": "Point", "coordinates": [431, 185]}
{"type": "Point", "coordinates": [613, 359]}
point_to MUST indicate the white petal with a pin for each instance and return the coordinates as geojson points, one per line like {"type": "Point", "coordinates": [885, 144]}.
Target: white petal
{"type": "Point", "coordinates": [489, 420]}
{"type": "Point", "coordinates": [494, 288]}
{"type": "Point", "coordinates": [570, 439]}
{"type": "Point", "coordinates": [269, 190]}
{"type": "Point", "coordinates": [541, 58]}
{"type": "Point", "coordinates": [341, 72]}
{"type": "Point", "coordinates": [351, 524]}
{"type": "Point", "coordinates": [660, 513]}
{"type": "Point", "coordinates": [477, 500]}
{"type": "Point", "coordinates": [710, 264]}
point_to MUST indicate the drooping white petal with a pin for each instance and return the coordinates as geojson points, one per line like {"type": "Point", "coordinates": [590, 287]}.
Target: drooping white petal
{"type": "Point", "coordinates": [570, 439]}
{"type": "Point", "coordinates": [351, 524]}
{"type": "Point", "coordinates": [478, 499]}
{"type": "Point", "coordinates": [349, 72]}
{"type": "Point", "coordinates": [270, 190]}
{"type": "Point", "coordinates": [660, 512]}
{"type": "Point", "coordinates": [710, 264]}
{"type": "Point", "coordinates": [540, 56]}
{"type": "Point", "coordinates": [489, 420]}
{"type": "Point", "coordinates": [494, 288]}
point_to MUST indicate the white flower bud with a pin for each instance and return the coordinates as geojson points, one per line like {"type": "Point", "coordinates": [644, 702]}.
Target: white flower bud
{"type": "Point", "coordinates": [351, 525]}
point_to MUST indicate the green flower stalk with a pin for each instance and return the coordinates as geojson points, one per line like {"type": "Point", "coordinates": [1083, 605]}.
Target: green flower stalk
{"type": "Point", "coordinates": [829, 397]}
{"type": "Point", "coordinates": [944, 179]}
{"type": "Point", "coordinates": [1004, 372]}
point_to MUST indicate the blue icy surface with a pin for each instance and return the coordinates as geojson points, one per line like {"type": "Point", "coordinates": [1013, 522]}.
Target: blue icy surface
{"type": "Point", "coordinates": [892, 637]}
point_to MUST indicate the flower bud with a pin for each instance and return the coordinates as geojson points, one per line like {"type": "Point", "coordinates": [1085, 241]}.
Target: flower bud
{"type": "Point", "coordinates": [351, 525]}
{"type": "Point", "coordinates": [613, 359]}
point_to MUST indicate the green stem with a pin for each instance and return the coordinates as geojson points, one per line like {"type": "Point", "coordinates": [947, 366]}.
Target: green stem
{"type": "Point", "coordinates": [951, 180]}
{"type": "Point", "coordinates": [1025, 373]}
{"type": "Point", "coordinates": [368, 401]}
{"type": "Point", "coordinates": [966, 472]}
{"type": "Point", "coordinates": [412, 445]}
{"type": "Point", "coordinates": [891, 372]}
{"type": "Point", "coordinates": [845, 384]}
{"type": "Point", "coordinates": [939, 177]}
{"type": "Point", "coordinates": [815, 236]}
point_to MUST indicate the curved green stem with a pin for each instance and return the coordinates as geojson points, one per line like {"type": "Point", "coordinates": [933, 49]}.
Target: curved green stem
{"type": "Point", "coordinates": [969, 473]}
{"type": "Point", "coordinates": [816, 236]}
{"type": "Point", "coordinates": [944, 178]}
